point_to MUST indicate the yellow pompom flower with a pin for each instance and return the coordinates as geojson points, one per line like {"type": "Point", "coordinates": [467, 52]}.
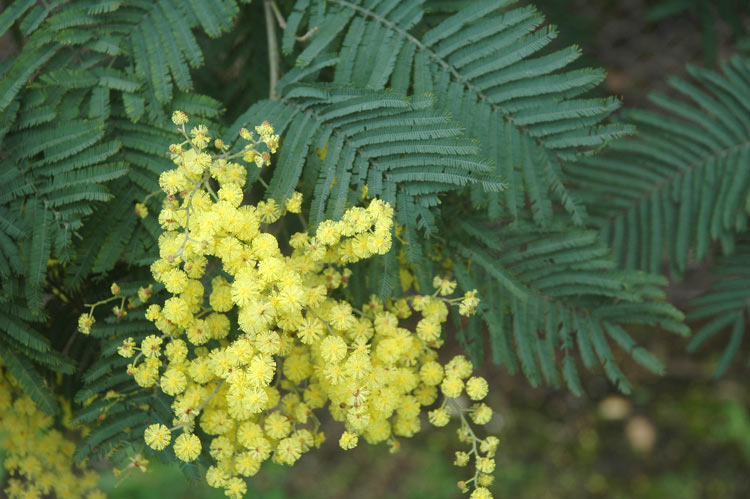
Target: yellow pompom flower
{"type": "Point", "coordinates": [485, 480]}
{"type": "Point", "coordinates": [439, 417]}
{"type": "Point", "coordinates": [151, 346]}
{"type": "Point", "coordinates": [269, 211]}
{"type": "Point", "coordinates": [232, 194]}
{"type": "Point", "coordinates": [179, 118]}
{"type": "Point", "coordinates": [246, 464]}
{"type": "Point", "coordinates": [216, 477]}
{"type": "Point", "coordinates": [431, 373]}
{"type": "Point", "coordinates": [85, 322]}
{"type": "Point", "coordinates": [459, 367]}
{"type": "Point", "coordinates": [277, 426]}
{"type": "Point", "coordinates": [348, 440]}
{"type": "Point", "coordinates": [172, 181]}
{"type": "Point", "coordinates": [468, 305]}
{"type": "Point", "coordinates": [176, 310]}
{"type": "Point", "coordinates": [462, 459]}
{"type": "Point", "coordinates": [173, 382]}
{"type": "Point", "coordinates": [481, 493]}
{"type": "Point", "coordinates": [294, 203]}
{"type": "Point", "coordinates": [157, 436]}
{"type": "Point", "coordinates": [428, 330]}
{"type": "Point", "coordinates": [288, 451]}
{"type": "Point", "coordinates": [187, 447]}
{"type": "Point", "coordinates": [481, 414]}
{"type": "Point", "coordinates": [485, 465]}
{"type": "Point", "coordinates": [489, 445]}
{"type": "Point", "coordinates": [443, 286]}
{"type": "Point", "coordinates": [235, 488]}
{"type": "Point", "coordinates": [127, 349]}
{"type": "Point", "coordinates": [452, 386]}
{"type": "Point", "coordinates": [175, 281]}
{"type": "Point", "coordinates": [260, 371]}
{"type": "Point", "coordinates": [476, 388]}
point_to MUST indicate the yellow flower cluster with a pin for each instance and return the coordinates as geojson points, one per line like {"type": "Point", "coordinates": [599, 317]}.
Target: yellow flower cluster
{"type": "Point", "coordinates": [252, 354]}
{"type": "Point", "coordinates": [38, 458]}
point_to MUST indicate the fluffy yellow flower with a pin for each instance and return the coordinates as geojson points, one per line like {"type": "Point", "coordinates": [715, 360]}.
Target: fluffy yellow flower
{"type": "Point", "coordinates": [348, 440]}
{"type": "Point", "coordinates": [157, 436]}
{"type": "Point", "coordinates": [476, 388]}
{"type": "Point", "coordinates": [481, 414]}
{"type": "Point", "coordinates": [151, 346]}
{"type": "Point", "coordinates": [277, 426]}
{"type": "Point", "coordinates": [187, 447]}
{"type": "Point", "coordinates": [428, 330]}
{"type": "Point", "coordinates": [173, 382]}
{"type": "Point", "coordinates": [485, 465]}
{"type": "Point", "coordinates": [452, 386]}
{"type": "Point", "coordinates": [462, 458]}
{"type": "Point", "coordinates": [127, 349]}
{"type": "Point", "coordinates": [235, 488]}
{"type": "Point", "coordinates": [179, 118]}
{"type": "Point", "coordinates": [443, 286]}
{"type": "Point", "coordinates": [439, 417]}
{"type": "Point", "coordinates": [85, 322]}
{"type": "Point", "coordinates": [431, 373]}
{"type": "Point", "coordinates": [288, 451]}
{"type": "Point", "coordinates": [481, 493]}
{"type": "Point", "coordinates": [294, 203]}
{"type": "Point", "coordinates": [459, 367]}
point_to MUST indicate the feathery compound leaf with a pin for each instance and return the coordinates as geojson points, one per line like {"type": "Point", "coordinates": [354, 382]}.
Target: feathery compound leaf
{"type": "Point", "coordinates": [482, 64]}
{"type": "Point", "coordinates": [725, 304]}
{"type": "Point", "coordinates": [22, 332]}
{"type": "Point", "coordinates": [379, 139]}
{"type": "Point", "coordinates": [683, 182]}
{"type": "Point", "coordinates": [11, 13]}
{"type": "Point", "coordinates": [38, 217]}
{"type": "Point", "coordinates": [92, 442]}
{"type": "Point", "coordinates": [561, 291]}
{"type": "Point", "coordinates": [23, 68]}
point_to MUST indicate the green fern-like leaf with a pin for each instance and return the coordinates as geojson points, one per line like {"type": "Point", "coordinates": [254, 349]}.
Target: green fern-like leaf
{"type": "Point", "coordinates": [725, 305]}
{"type": "Point", "coordinates": [383, 140]}
{"type": "Point", "coordinates": [684, 182]}
{"type": "Point", "coordinates": [483, 65]}
{"type": "Point", "coordinates": [558, 289]}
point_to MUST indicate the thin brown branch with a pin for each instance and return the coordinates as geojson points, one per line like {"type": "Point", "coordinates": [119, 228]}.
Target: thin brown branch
{"type": "Point", "coordinates": [274, 58]}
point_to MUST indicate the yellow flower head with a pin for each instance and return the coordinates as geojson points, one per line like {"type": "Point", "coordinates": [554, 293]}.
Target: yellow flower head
{"type": "Point", "coordinates": [157, 436]}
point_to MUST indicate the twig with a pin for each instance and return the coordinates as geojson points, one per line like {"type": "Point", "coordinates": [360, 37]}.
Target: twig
{"type": "Point", "coordinates": [274, 59]}
{"type": "Point", "coordinates": [69, 343]}
{"type": "Point", "coordinates": [279, 17]}
{"type": "Point", "coordinates": [282, 23]}
{"type": "Point", "coordinates": [307, 35]}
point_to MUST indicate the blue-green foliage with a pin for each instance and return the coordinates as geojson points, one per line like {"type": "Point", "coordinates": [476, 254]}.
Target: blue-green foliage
{"type": "Point", "coordinates": [681, 190]}
{"type": "Point", "coordinates": [725, 306]}
{"type": "Point", "coordinates": [684, 181]}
